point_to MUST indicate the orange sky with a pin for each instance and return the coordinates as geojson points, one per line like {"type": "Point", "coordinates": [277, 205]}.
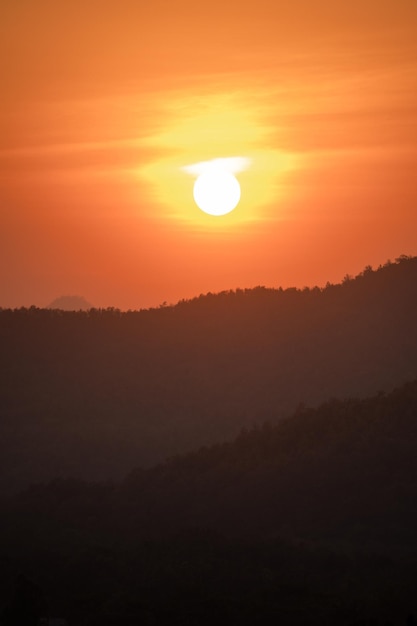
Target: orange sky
{"type": "Point", "coordinates": [105, 103]}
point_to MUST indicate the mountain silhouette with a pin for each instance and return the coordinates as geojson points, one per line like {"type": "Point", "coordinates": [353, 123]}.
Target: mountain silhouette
{"type": "Point", "coordinates": [70, 303]}
{"type": "Point", "coordinates": [93, 393]}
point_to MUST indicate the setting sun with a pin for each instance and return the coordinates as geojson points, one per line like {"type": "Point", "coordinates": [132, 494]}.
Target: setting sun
{"type": "Point", "coordinates": [216, 192]}
{"type": "Point", "coordinates": [216, 189]}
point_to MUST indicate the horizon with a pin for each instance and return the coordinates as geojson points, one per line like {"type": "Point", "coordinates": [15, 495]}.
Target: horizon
{"type": "Point", "coordinates": [165, 303]}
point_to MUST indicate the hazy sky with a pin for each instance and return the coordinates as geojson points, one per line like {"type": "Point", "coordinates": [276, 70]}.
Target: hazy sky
{"type": "Point", "coordinates": [105, 103]}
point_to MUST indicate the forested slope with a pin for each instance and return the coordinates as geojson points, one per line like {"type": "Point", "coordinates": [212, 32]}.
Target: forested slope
{"type": "Point", "coordinates": [90, 394]}
{"type": "Point", "coordinates": [311, 521]}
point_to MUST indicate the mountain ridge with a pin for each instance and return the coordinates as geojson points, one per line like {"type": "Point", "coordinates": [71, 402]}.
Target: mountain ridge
{"type": "Point", "coordinates": [92, 393]}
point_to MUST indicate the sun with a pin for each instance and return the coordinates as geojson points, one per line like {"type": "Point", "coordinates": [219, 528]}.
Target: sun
{"type": "Point", "coordinates": [216, 191]}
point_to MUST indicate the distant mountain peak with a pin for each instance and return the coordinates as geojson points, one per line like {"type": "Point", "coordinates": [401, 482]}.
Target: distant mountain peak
{"type": "Point", "coordinates": [70, 303]}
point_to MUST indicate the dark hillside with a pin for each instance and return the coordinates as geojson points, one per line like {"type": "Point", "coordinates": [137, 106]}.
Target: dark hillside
{"type": "Point", "coordinates": [312, 521]}
{"type": "Point", "coordinates": [343, 474]}
{"type": "Point", "coordinates": [91, 393]}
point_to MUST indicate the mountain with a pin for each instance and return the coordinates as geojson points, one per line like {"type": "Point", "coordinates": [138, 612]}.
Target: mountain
{"type": "Point", "coordinates": [91, 394]}
{"type": "Point", "coordinates": [70, 303]}
{"type": "Point", "coordinates": [309, 521]}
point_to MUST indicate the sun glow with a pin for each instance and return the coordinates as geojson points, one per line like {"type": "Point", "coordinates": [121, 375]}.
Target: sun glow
{"type": "Point", "coordinates": [214, 128]}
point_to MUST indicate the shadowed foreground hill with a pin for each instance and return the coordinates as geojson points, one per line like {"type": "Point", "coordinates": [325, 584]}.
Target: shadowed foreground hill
{"type": "Point", "coordinates": [90, 394]}
{"type": "Point", "coordinates": [311, 521]}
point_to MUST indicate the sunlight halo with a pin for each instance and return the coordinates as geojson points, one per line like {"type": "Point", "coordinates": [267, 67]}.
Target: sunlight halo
{"type": "Point", "coordinates": [229, 133]}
